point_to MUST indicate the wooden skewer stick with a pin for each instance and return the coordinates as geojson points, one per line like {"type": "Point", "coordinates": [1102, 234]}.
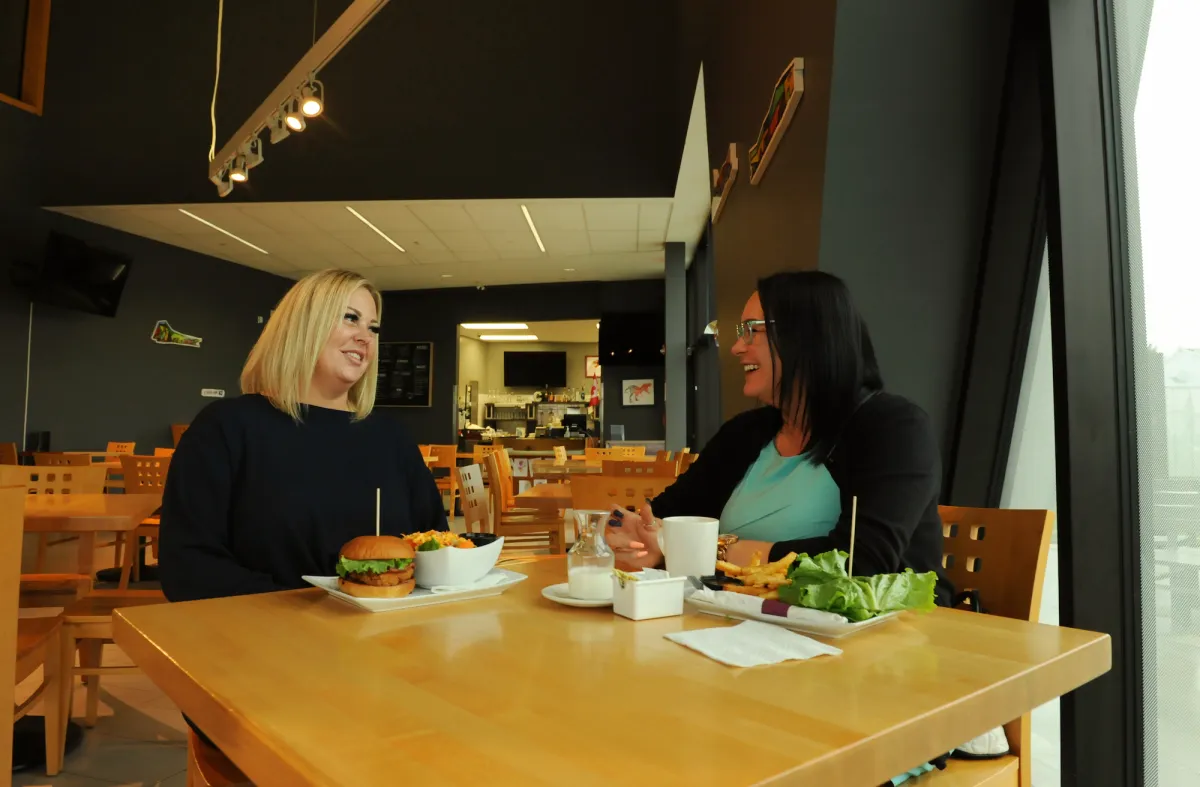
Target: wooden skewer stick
{"type": "Point", "coordinates": [377, 523]}
{"type": "Point", "coordinates": [853, 519]}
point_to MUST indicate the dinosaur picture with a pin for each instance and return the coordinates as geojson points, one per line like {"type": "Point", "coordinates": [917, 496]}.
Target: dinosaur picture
{"type": "Point", "coordinates": [635, 393]}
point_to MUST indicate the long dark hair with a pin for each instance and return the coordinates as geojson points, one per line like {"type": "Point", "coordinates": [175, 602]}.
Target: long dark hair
{"type": "Point", "coordinates": [824, 353]}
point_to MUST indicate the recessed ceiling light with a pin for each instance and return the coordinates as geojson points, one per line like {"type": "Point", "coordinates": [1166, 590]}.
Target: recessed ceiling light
{"type": "Point", "coordinates": [495, 326]}
{"type": "Point", "coordinates": [378, 231]}
{"type": "Point", "coordinates": [509, 338]}
{"type": "Point", "coordinates": [533, 229]}
{"type": "Point", "coordinates": [569, 270]}
{"type": "Point", "coordinates": [447, 275]}
{"type": "Point", "coordinates": [223, 231]}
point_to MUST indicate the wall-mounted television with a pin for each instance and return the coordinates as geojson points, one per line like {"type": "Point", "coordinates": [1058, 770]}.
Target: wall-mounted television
{"type": "Point", "coordinates": [526, 369]}
{"type": "Point", "coordinates": [76, 275]}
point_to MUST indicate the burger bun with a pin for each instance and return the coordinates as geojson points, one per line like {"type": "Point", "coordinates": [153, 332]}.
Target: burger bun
{"type": "Point", "coordinates": [360, 590]}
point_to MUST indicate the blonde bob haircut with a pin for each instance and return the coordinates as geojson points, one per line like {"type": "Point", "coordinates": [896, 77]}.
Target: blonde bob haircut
{"type": "Point", "coordinates": [282, 363]}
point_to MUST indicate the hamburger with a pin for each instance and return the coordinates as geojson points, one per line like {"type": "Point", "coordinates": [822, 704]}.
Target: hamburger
{"type": "Point", "coordinates": [376, 567]}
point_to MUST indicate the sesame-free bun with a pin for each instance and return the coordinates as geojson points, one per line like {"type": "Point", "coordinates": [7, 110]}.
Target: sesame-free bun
{"type": "Point", "coordinates": [360, 590]}
{"type": "Point", "coordinates": [378, 548]}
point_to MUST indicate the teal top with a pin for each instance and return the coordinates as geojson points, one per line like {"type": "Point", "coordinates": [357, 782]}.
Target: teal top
{"type": "Point", "coordinates": [782, 498]}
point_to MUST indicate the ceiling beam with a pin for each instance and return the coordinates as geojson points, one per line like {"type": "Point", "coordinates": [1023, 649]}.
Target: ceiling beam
{"type": "Point", "coordinates": [327, 46]}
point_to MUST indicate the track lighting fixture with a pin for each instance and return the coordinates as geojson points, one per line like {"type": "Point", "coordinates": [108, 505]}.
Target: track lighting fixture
{"type": "Point", "coordinates": [238, 172]}
{"type": "Point", "coordinates": [222, 182]}
{"type": "Point", "coordinates": [312, 98]}
{"type": "Point", "coordinates": [278, 128]}
{"type": "Point", "coordinates": [293, 116]}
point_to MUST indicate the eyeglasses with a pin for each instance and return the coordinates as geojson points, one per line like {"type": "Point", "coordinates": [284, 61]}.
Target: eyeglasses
{"type": "Point", "coordinates": [747, 328]}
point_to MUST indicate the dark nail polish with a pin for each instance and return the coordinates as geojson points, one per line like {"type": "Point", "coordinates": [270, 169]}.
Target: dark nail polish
{"type": "Point", "coordinates": [613, 523]}
{"type": "Point", "coordinates": [619, 514]}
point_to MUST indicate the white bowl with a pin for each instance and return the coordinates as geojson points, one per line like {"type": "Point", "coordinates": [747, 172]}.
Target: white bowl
{"type": "Point", "coordinates": [451, 566]}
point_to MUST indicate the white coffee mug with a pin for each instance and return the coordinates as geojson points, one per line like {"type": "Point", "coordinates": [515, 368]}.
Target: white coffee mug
{"type": "Point", "coordinates": [690, 545]}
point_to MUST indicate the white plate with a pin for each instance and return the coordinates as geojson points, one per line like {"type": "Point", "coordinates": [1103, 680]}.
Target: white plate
{"type": "Point", "coordinates": [558, 594]}
{"type": "Point", "coordinates": [421, 597]}
{"type": "Point", "coordinates": [823, 624]}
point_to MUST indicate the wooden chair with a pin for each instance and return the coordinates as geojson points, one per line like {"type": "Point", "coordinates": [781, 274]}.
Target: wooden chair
{"type": "Point", "coordinates": [474, 499]}
{"type": "Point", "coordinates": [686, 459]}
{"type": "Point", "coordinates": [601, 492]}
{"type": "Point", "coordinates": [8, 454]}
{"type": "Point", "coordinates": [479, 455]}
{"type": "Point", "coordinates": [87, 626]}
{"type": "Point", "coordinates": [209, 767]}
{"type": "Point", "coordinates": [1000, 553]}
{"type": "Point", "coordinates": [62, 460]}
{"type": "Point", "coordinates": [120, 448]}
{"type": "Point", "coordinates": [143, 475]}
{"type": "Point", "coordinates": [523, 529]}
{"type": "Point", "coordinates": [25, 643]}
{"type": "Point", "coordinates": [426, 450]}
{"type": "Point", "coordinates": [164, 452]}
{"type": "Point", "coordinates": [177, 431]}
{"type": "Point", "coordinates": [40, 589]}
{"type": "Point", "coordinates": [445, 459]}
{"type": "Point", "coordinates": [625, 468]}
{"type": "Point", "coordinates": [594, 455]}
{"type": "Point", "coordinates": [560, 455]}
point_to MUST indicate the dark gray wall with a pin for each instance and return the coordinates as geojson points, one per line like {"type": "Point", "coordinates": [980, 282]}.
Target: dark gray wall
{"type": "Point", "coordinates": [912, 134]}
{"type": "Point", "coordinates": [95, 379]}
{"type": "Point", "coordinates": [774, 225]}
{"type": "Point", "coordinates": [21, 230]}
{"type": "Point", "coordinates": [434, 315]}
{"type": "Point", "coordinates": [641, 422]}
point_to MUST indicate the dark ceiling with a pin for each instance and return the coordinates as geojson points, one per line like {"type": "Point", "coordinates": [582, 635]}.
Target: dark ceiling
{"type": "Point", "coordinates": [453, 99]}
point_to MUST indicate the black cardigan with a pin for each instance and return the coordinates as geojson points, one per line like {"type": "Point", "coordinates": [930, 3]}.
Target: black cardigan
{"type": "Point", "coordinates": [887, 455]}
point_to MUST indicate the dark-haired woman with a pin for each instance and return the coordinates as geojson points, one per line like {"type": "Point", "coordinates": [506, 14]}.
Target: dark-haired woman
{"type": "Point", "coordinates": [781, 477]}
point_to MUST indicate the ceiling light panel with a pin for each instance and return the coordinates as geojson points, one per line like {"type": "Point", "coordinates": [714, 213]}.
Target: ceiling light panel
{"type": "Point", "coordinates": [495, 326]}
{"type": "Point", "coordinates": [373, 228]}
{"type": "Point", "coordinates": [207, 223]}
{"type": "Point", "coordinates": [506, 338]}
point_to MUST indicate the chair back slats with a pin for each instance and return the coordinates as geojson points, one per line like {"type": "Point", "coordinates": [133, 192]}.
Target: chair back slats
{"type": "Point", "coordinates": [686, 460]}
{"type": "Point", "coordinates": [55, 480]}
{"type": "Point", "coordinates": [115, 447]}
{"type": "Point", "coordinates": [145, 474]}
{"type": "Point", "coordinates": [999, 552]}
{"type": "Point", "coordinates": [164, 452]}
{"type": "Point", "coordinates": [8, 453]}
{"type": "Point", "coordinates": [474, 499]}
{"type": "Point", "coordinates": [598, 455]}
{"type": "Point", "coordinates": [61, 460]}
{"type": "Point", "coordinates": [177, 431]}
{"type": "Point", "coordinates": [625, 468]}
{"type": "Point", "coordinates": [426, 450]}
{"type": "Point", "coordinates": [599, 492]}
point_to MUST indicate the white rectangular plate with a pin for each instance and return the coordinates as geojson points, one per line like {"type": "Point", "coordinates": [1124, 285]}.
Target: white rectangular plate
{"type": "Point", "coordinates": [419, 597]}
{"type": "Point", "coordinates": [828, 624]}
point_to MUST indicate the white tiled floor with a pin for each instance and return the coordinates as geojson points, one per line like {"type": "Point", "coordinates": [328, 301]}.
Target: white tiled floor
{"type": "Point", "coordinates": [139, 740]}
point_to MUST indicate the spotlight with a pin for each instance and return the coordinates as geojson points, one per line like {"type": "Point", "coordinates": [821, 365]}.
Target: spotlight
{"type": "Point", "coordinates": [253, 153]}
{"type": "Point", "coordinates": [312, 98]}
{"type": "Point", "coordinates": [238, 172]}
{"type": "Point", "coordinates": [294, 118]}
{"type": "Point", "coordinates": [221, 181]}
{"type": "Point", "coordinates": [278, 127]}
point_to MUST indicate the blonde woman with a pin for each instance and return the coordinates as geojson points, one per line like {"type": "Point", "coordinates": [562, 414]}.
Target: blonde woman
{"type": "Point", "coordinates": [266, 487]}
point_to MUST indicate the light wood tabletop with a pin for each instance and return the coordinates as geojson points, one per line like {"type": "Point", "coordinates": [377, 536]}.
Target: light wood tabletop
{"type": "Point", "coordinates": [299, 688]}
{"type": "Point", "coordinates": [87, 515]}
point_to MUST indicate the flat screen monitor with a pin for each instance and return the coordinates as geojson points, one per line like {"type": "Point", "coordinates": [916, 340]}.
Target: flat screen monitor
{"type": "Point", "coordinates": [575, 422]}
{"type": "Point", "coordinates": [75, 275]}
{"type": "Point", "coordinates": [523, 369]}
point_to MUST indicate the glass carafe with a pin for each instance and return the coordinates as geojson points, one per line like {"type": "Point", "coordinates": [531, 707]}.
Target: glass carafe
{"type": "Point", "coordinates": [590, 562]}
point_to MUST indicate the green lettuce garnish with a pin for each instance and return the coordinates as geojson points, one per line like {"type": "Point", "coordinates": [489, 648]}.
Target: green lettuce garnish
{"type": "Point", "coordinates": [347, 566]}
{"type": "Point", "coordinates": [429, 546]}
{"type": "Point", "coordinates": [821, 582]}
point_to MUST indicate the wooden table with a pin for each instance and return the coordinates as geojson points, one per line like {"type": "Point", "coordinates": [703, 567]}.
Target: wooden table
{"type": "Point", "coordinates": [301, 689]}
{"type": "Point", "coordinates": [87, 515]}
{"type": "Point", "coordinates": [545, 496]}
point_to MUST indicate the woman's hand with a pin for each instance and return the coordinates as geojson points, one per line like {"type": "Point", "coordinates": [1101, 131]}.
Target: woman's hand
{"type": "Point", "coordinates": [634, 538]}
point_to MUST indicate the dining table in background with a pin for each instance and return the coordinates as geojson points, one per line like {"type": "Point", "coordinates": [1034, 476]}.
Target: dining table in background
{"type": "Point", "coordinates": [86, 515]}
{"type": "Point", "coordinates": [482, 691]}
{"type": "Point", "coordinates": [544, 497]}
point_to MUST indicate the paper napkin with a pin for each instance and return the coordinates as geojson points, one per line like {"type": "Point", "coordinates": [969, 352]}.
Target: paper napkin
{"type": "Point", "coordinates": [752, 644]}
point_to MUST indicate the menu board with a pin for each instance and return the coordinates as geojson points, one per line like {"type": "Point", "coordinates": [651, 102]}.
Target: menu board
{"type": "Point", "coordinates": [405, 374]}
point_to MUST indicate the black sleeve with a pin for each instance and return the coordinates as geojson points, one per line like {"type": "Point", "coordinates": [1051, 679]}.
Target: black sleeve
{"type": "Point", "coordinates": [194, 557]}
{"type": "Point", "coordinates": [892, 464]}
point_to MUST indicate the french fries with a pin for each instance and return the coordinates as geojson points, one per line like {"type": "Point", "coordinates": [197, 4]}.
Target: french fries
{"type": "Point", "coordinates": [444, 539]}
{"type": "Point", "coordinates": [757, 579]}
